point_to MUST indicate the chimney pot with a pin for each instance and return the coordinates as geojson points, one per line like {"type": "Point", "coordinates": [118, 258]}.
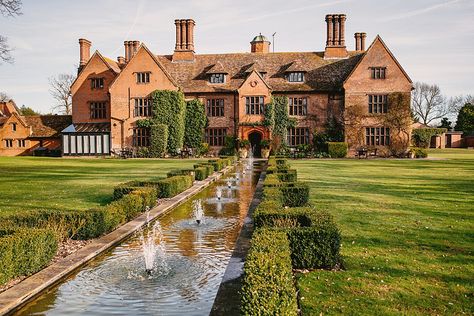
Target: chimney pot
{"type": "Point", "coordinates": [335, 43]}
{"type": "Point", "coordinates": [362, 41]}
{"type": "Point", "coordinates": [84, 51]}
{"type": "Point", "coordinates": [184, 48]}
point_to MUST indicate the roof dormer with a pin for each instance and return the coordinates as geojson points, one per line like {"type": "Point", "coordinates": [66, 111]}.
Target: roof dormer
{"type": "Point", "coordinates": [217, 74]}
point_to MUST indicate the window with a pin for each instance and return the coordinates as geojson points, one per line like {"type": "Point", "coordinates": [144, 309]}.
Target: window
{"type": "Point", "coordinates": [295, 77]}
{"type": "Point", "coordinates": [377, 72]}
{"type": "Point", "coordinates": [298, 106]}
{"type": "Point", "coordinates": [97, 83]}
{"type": "Point", "coordinates": [215, 136]}
{"type": "Point", "coordinates": [141, 137]}
{"type": "Point", "coordinates": [143, 107]}
{"type": "Point", "coordinates": [98, 110]}
{"type": "Point", "coordinates": [21, 143]}
{"type": "Point", "coordinates": [8, 143]}
{"type": "Point", "coordinates": [13, 127]}
{"type": "Point", "coordinates": [254, 105]}
{"type": "Point", "coordinates": [143, 77]}
{"type": "Point", "coordinates": [377, 136]}
{"type": "Point", "coordinates": [378, 103]}
{"type": "Point", "coordinates": [217, 78]}
{"type": "Point", "coordinates": [298, 136]}
{"type": "Point", "coordinates": [215, 107]}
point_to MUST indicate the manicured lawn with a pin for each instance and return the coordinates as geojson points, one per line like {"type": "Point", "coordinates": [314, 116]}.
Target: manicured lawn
{"type": "Point", "coordinates": [408, 235]}
{"type": "Point", "coordinates": [69, 184]}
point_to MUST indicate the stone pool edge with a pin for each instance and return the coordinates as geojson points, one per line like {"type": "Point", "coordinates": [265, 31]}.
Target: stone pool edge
{"type": "Point", "coordinates": [23, 292]}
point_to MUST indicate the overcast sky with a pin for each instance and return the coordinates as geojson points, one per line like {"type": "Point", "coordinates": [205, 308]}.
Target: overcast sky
{"type": "Point", "coordinates": [432, 39]}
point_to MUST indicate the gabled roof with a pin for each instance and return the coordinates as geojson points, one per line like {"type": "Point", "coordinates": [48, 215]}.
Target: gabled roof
{"type": "Point", "coordinates": [256, 66]}
{"type": "Point", "coordinates": [217, 68]}
{"type": "Point", "coordinates": [322, 74]}
{"type": "Point", "coordinates": [47, 125]}
{"type": "Point", "coordinates": [113, 66]}
{"type": "Point", "coordinates": [296, 66]}
{"type": "Point", "coordinates": [259, 76]}
{"type": "Point", "coordinates": [378, 38]}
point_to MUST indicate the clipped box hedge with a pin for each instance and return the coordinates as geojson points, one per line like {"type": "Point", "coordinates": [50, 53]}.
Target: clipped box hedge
{"type": "Point", "coordinates": [337, 149]}
{"type": "Point", "coordinates": [295, 195]}
{"type": "Point", "coordinates": [209, 168]}
{"type": "Point", "coordinates": [200, 173]}
{"type": "Point", "coordinates": [268, 286]}
{"type": "Point", "coordinates": [25, 251]}
{"type": "Point", "coordinates": [180, 172]}
{"type": "Point", "coordinates": [172, 186]}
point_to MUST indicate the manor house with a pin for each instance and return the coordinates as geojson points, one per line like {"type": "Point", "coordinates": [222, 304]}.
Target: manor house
{"type": "Point", "coordinates": [109, 96]}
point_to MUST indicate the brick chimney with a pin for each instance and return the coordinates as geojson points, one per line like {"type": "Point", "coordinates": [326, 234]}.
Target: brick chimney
{"type": "Point", "coordinates": [360, 41]}
{"type": "Point", "coordinates": [84, 52]}
{"type": "Point", "coordinates": [131, 48]}
{"type": "Point", "coordinates": [260, 44]}
{"type": "Point", "coordinates": [335, 43]}
{"type": "Point", "coordinates": [184, 48]}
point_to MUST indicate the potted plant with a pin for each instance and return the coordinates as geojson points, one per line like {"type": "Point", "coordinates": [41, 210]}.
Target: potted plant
{"type": "Point", "coordinates": [244, 146]}
{"type": "Point", "coordinates": [265, 148]}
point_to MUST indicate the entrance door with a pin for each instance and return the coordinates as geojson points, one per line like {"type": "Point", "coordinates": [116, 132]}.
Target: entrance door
{"type": "Point", "coordinates": [255, 138]}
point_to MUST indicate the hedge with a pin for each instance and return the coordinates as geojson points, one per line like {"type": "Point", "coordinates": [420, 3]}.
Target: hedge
{"type": "Point", "coordinates": [195, 122]}
{"type": "Point", "coordinates": [419, 152]}
{"type": "Point", "coordinates": [209, 168]}
{"type": "Point", "coordinates": [25, 251]}
{"type": "Point", "coordinates": [268, 286]}
{"type": "Point", "coordinates": [128, 187]}
{"type": "Point", "coordinates": [421, 137]}
{"type": "Point", "coordinates": [200, 173]}
{"type": "Point", "coordinates": [158, 140]}
{"type": "Point", "coordinates": [337, 149]}
{"type": "Point", "coordinates": [181, 172]}
{"type": "Point", "coordinates": [172, 186]}
{"type": "Point", "coordinates": [295, 195]}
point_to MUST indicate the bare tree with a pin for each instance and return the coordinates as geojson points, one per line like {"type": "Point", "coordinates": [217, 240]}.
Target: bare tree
{"type": "Point", "coordinates": [4, 97]}
{"type": "Point", "coordinates": [428, 104]}
{"type": "Point", "coordinates": [8, 8]}
{"type": "Point", "coordinates": [457, 102]}
{"type": "Point", "coordinates": [61, 92]}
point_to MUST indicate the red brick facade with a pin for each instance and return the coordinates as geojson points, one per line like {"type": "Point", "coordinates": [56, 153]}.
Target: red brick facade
{"type": "Point", "coordinates": [326, 82]}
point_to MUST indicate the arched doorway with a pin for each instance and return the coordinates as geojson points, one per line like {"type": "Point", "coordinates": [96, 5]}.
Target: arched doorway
{"type": "Point", "coordinates": [255, 139]}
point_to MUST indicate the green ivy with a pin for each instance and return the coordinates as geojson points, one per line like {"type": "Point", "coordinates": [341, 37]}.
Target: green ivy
{"type": "Point", "coordinates": [144, 123]}
{"type": "Point", "coordinates": [169, 108]}
{"type": "Point", "coordinates": [422, 136]}
{"type": "Point", "coordinates": [195, 122]}
{"type": "Point", "coordinates": [269, 120]}
{"type": "Point", "coordinates": [281, 118]}
{"type": "Point", "coordinates": [158, 140]}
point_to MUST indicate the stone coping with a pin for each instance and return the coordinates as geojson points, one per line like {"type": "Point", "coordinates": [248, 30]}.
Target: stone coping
{"type": "Point", "coordinates": [21, 293]}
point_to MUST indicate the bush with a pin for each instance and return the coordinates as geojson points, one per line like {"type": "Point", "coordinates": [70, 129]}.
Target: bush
{"type": "Point", "coordinates": [337, 149]}
{"type": "Point", "coordinates": [128, 187]}
{"type": "Point", "coordinates": [295, 195]}
{"type": "Point", "coordinates": [25, 251]}
{"type": "Point", "coordinates": [158, 140]}
{"type": "Point", "coordinates": [209, 168]}
{"type": "Point", "coordinates": [181, 172]}
{"type": "Point", "coordinates": [419, 152]}
{"type": "Point", "coordinates": [288, 176]}
{"type": "Point", "coordinates": [268, 286]}
{"type": "Point", "coordinates": [274, 215]}
{"type": "Point", "coordinates": [195, 122]}
{"type": "Point", "coordinates": [421, 137]}
{"type": "Point", "coordinates": [200, 173]}
{"type": "Point", "coordinates": [172, 186]}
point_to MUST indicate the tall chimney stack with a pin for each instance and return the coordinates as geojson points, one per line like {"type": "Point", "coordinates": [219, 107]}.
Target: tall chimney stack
{"type": "Point", "coordinates": [360, 41]}
{"type": "Point", "coordinates": [184, 48]}
{"type": "Point", "coordinates": [335, 43]}
{"type": "Point", "coordinates": [84, 52]}
{"type": "Point", "coordinates": [127, 51]}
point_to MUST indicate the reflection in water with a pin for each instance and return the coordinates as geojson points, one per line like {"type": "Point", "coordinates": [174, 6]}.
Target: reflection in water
{"type": "Point", "coordinates": [196, 257]}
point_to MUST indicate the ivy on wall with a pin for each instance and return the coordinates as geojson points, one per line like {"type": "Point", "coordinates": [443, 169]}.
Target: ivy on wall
{"type": "Point", "coordinates": [158, 140]}
{"type": "Point", "coordinates": [169, 108]}
{"type": "Point", "coordinates": [422, 136]}
{"type": "Point", "coordinates": [282, 120]}
{"type": "Point", "coordinates": [195, 122]}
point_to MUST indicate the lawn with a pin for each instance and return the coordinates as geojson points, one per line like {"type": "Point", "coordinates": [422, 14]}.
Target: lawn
{"type": "Point", "coordinates": [408, 235]}
{"type": "Point", "coordinates": [72, 184]}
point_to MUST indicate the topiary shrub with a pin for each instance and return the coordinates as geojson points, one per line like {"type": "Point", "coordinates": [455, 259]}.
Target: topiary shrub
{"type": "Point", "coordinates": [200, 173]}
{"type": "Point", "coordinates": [209, 168]}
{"type": "Point", "coordinates": [172, 186]}
{"type": "Point", "coordinates": [195, 122]}
{"type": "Point", "coordinates": [169, 108]}
{"type": "Point", "coordinates": [158, 140]}
{"type": "Point", "coordinates": [295, 195]}
{"type": "Point", "coordinates": [419, 152]}
{"type": "Point", "coordinates": [25, 251]}
{"type": "Point", "coordinates": [337, 149]}
{"type": "Point", "coordinates": [268, 285]}
{"type": "Point", "coordinates": [181, 172]}
{"type": "Point", "coordinates": [288, 176]}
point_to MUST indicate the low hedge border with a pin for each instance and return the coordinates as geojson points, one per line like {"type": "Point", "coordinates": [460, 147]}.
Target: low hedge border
{"type": "Point", "coordinates": [25, 251]}
{"type": "Point", "coordinates": [268, 286]}
{"type": "Point", "coordinates": [170, 187]}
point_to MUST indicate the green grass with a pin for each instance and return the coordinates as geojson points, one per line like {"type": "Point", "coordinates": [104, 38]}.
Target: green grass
{"type": "Point", "coordinates": [408, 235]}
{"type": "Point", "coordinates": [72, 184]}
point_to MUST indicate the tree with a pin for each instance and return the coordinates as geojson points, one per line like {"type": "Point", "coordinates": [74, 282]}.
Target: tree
{"type": "Point", "coordinates": [61, 92]}
{"type": "Point", "coordinates": [456, 103]}
{"type": "Point", "coordinates": [4, 97]}
{"type": "Point", "coordinates": [445, 123]}
{"type": "Point", "coordinates": [428, 104]}
{"type": "Point", "coordinates": [27, 111]}
{"type": "Point", "coordinates": [8, 8]}
{"type": "Point", "coordinates": [465, 120]}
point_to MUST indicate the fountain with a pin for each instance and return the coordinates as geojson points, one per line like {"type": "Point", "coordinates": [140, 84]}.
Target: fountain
{"type": "Point", "coordinates": [150, 247]}
{"type": "Point", "coordinates": [198, 211]}
{"type": "Point", "coordinates": [219, 193]}
{"type": "Point", "coordinates": [237, 177]}
{"type": "Point", "coordinates": [229, 185]}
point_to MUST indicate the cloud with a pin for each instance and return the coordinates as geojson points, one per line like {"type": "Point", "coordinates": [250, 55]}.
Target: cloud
{"type": "Point", "coordinates": [419, 11]}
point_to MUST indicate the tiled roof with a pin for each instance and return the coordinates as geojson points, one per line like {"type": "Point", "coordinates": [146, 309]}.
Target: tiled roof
{"type": "Point", "coordinates": [87, 128]}
{"type": "Point", "coordinates": [47, 125]}
{"type": "Point", "coordinates": [321, 74]}
{"type": "Point", "coordinates": [3, 120]}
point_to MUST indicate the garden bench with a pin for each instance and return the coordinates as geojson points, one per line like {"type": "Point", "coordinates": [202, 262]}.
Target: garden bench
{"type": "Point", "coordinates": [366, 152]}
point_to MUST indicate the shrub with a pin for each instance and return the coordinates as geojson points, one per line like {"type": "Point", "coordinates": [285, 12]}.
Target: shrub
{"type": "Point", "coordinates": [268, 286]}
{"type": "Point", "coordinates": [181, 172]}
{"type": "Point", "coordinates": [209, 168]}
{"type": "Point", "coordinates": [274, 215]}
{"type": "Point", "coordinates": [217, 164]}
{"type": "Point", "coordinates": [158, 140]}
{"type": "Point", "coordinates": [295, 195]}
{"type": "Point", "coordinates": [169, 108]}
{"type": "Point", "coordinates": [288, 176]}
{"type": "Point", "coordinates": [421, 137]}
{"type": "Point", "coordinates": [125, 188]}
{"type": "Point", "coordinates": [200, 173]}
{"type": "Point", "coordinates": [419, 152]}
{"type": "Point", "coordinates": [337, 149]}
{"type": "Point", "coordinates": [172, 186]}
{"type": "Point", "coordinates": [195, 122]}
{"type": "Point", "coordinates": [148, 196]}
{"type": "Point", "coordinates": [25, 251]}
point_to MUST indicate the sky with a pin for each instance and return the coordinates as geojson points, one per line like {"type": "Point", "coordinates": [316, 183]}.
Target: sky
{"type": "Point", "coordinates": [432, 39]}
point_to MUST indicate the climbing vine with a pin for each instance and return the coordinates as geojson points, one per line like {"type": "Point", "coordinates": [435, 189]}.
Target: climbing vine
{"type": "Point", "coordinates": [282, 120]}
{"type": "Point", "coordinates": [195, 122]}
